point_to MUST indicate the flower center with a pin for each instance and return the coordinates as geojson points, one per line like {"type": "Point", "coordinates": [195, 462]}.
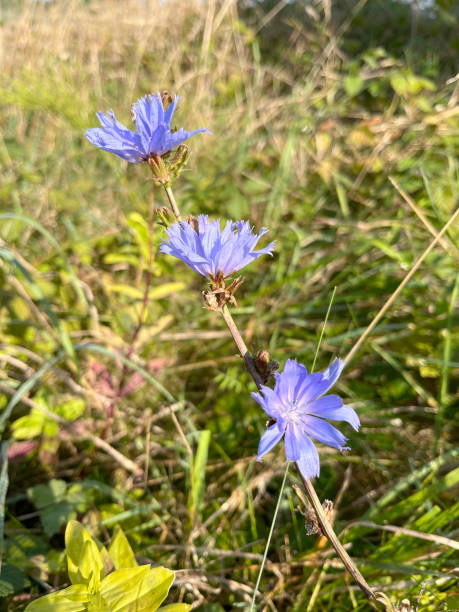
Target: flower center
{"type": "Point", "coordinates": [295, 413]}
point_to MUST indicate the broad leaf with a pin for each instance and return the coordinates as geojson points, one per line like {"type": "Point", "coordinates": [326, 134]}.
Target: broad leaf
{"type": "Point", "coordinates": [120, 551]}
{"type": "Point", "coordinates": [83, 558]}
{"type": "Point", "coordinates": [137, 589]}
{"type": "Point", "coordinates": [71, 599]}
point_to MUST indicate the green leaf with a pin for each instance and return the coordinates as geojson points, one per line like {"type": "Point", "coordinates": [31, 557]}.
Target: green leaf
{"type": "Point", "coordinates": [72, 599]}
{"type": "Point", "coordinates": [98, 604]}
{"type": "Point", "coordinates": [83, 558]}
{"type": "Point", "coordinates": [137, 589]}
{"type": "Point", "coordinates": [353, 84]}
{"type": "Point", "coordinates": [28, 426]}
{"type": "Point", "coordinates": [56, 515]}
{"type": "Point", "coordinates": [5, 588]}
{"type": "Point", "coordinates": [45, 495]}
{"type": "Point", "coordinates": [156, 293]}
{"type": "Point", "coordinates": [71, 410]}
{"type": "Point", "coordinates": [198, 473]}
{"type": "Point", "coordinates": [166, 289]}
{"type": "Point", "coordinates": [120, 551]}
{"type": "Point", "coordinates": [12, 579]}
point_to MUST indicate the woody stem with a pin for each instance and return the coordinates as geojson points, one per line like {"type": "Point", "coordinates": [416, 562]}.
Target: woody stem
{"type": "Point", "coordinates": [246, 356]}
{"type": "Point", "coordinates": [333, 538]}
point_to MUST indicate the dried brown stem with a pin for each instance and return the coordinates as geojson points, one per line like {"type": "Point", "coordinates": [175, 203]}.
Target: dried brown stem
{"type": "Point", "coordinates": [327, 529]}
{"type": "Point", "coordinates": [246, 356]}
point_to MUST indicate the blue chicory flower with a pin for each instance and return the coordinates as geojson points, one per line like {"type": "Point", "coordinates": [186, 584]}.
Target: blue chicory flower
{"type": "Point", "coordinates": [211, 251]}
{"type": "Point", "coordinates": [299, 406]}
{"type": "Point", "coordinates": [153, 136]}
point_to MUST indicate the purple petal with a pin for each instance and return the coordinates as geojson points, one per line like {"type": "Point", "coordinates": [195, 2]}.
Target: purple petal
{"type": "Point", "coordinates": [293, 441]}
{"type": "Point", "coordinates": [269, 439]}
{"type": "Point", "coordinates": [333, 372]}
{"type": "Point", "coordinates": [173, 139]}
{"type": "Point", "coordinates": [287, 381]}
{"type": "Point", "coordinates": [331, 407]}
{"type": "Point", "coordinates": [149, 113]}
{"type": "Point", "coordinates": [110, 141]}
{"type": "Point", "coordinates": [324, 432]}
{"type": "Point", "coordinates": [212, 249]}
{"type": "Point", "coordinates": [153, 131]}
{"type": "Point", "coordinates": [307, 387]}
{"type": "Point", "coordinates": [170, 111]}
{"type": "Point", "coordinates": [308, 462]}
{"type": "Point", "coordinates": [327, 379]}
{"type": "Point", "coordinates": [269, 402]}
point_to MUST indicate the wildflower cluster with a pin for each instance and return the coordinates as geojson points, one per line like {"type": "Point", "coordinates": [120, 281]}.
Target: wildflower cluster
{"type": "Point", "coordinates": [298, 406]}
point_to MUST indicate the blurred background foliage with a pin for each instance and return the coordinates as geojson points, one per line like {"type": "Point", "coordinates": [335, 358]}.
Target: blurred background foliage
{"type": "Point", "coordinates": [122, 410]}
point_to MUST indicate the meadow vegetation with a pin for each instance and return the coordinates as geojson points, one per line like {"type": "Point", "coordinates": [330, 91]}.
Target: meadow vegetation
{"type": "Point", "coordinates": [123, 402]}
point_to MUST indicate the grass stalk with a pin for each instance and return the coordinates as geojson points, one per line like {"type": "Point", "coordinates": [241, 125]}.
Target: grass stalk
{"type": "Point", "coordinates": [268, 541]}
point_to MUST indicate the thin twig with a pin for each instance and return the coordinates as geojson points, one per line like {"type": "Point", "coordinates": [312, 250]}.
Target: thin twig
{"type": "Point", "coordinates": [246, 356]}
{"type": "Point", "coordinates": [333, 538]}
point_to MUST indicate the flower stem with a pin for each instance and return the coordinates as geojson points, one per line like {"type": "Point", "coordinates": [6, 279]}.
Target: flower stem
{"type": "Point", "coordinates": [268, 541]}
{"type": "Point", "coordinates": [309, 488]}
{"type": "Point", "coordinates": [172, 202]}
{"type": "Point", "coordinates": [246, 356]}
{"type": "Point", "coordinates": [310, 491]}
{"type": "Point", "coordinates": [333, 538]}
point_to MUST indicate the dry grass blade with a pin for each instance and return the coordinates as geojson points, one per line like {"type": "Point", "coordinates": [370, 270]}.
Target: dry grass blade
{"type": "Point", "coordinates": [430, 537]}
{"type": "Point", "coordinates": [399, 289]}
{"type": "Point", "coordinates": [447, 245]}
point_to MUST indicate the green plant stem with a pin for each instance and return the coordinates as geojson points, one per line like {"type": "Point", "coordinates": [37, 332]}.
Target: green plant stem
{"type": "Point", "coordinates": [268, 541]}
{"type": "Point", "coordinates": [172, 202]}
{"type": "Point", "coordinates": [323, 329]}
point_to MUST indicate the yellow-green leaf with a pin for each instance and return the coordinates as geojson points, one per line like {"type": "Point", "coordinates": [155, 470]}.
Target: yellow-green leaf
{"type": "Point", "coordinates": [176, 608]}
{"type": "Point", "coordinates": [71, 599]}
{"type": "Point", "coordinates": [137, 589]}
{"type": "Point", "coordinates": [98, 604]}
{"type": "Point", "coordinates": [156, 293]}
{"type": "Point", "coordinates": [120, 551]}
{"type": "Point", "coordinates": [165, 290]}
{"type": "Point", "coordinates": [28, 426]}
{"type": "Point", "coordinates": [83, 558]}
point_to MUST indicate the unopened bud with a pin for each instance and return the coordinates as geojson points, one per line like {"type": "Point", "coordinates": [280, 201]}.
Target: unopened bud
{"type": "Point", "coordinates": [176, 161]}
{"type": "Point", "coordinates": [265, 365]}
{"type": "Point", "coordinates": [193, 221]}
{"type": "Point", "coordinates": [166, 98]}
{"type": "Point", "coordinates": [164, 216]}
{"type": "Point", "coordinates": [159, 169]}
